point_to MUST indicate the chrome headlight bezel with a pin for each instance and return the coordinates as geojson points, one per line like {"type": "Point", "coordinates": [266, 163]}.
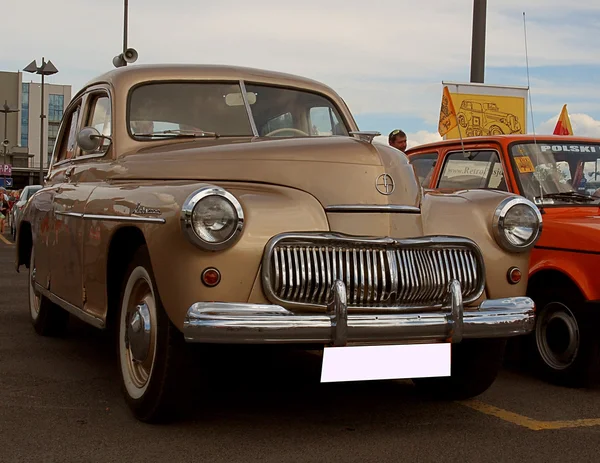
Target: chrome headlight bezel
{"type": "Point", "coordinates": [187, 210]}
{"type": "Point", "coordinates": [498, 224]}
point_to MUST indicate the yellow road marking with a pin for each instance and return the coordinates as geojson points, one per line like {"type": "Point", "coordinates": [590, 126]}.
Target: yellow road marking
{"type": "Point", "coordinates": [526, 422]}
{"type": "Point", "coordinates": [5, 240]}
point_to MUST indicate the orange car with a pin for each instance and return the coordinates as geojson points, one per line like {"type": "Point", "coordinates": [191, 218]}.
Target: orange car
{"type": "Point", "coordinates": [561, 175]}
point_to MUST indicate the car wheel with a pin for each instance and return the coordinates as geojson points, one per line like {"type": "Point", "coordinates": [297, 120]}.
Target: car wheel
{"type": "Point", "coordinates": [48, 319]}
{"type": "Point", "coordinates": [566, 349]}
{"type": "Point", "coordinates": [151, 350]}
{"type": "Point", "coordinates": [474, 368]}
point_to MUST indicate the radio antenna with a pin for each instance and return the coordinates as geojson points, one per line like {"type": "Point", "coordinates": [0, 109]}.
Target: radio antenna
{"type": "Point", "coordinates": [531, 109]}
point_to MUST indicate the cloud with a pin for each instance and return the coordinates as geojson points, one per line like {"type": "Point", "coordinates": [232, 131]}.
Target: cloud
{"type": "Point", "coordinates": [390, 60]}
{"type": "Point", "coordinates": [583, 125]}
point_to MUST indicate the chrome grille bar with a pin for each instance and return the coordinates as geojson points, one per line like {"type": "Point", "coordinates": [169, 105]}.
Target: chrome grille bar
{"type": "Point", "coordinates": [299, 269]}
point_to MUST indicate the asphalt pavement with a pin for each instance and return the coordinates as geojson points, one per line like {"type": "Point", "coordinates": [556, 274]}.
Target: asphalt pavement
{"type": "Point", "coordinates": [60, 402]}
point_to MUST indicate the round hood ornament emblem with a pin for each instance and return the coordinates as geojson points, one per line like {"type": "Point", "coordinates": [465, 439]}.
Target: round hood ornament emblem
{"type": "Point", "coordinates": [385, 184]}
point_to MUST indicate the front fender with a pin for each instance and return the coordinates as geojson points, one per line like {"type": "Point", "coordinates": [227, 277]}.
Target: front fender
{"type": "Point", "coordinates": [470, 213]}
{"type": "Point", "coordinates": [178, 264]}
{"type": "Point", "coordinates": [580, 268]}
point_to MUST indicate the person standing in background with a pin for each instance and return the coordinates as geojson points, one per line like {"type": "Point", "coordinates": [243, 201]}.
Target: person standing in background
{"type": "Point", "coordinates": [397, 139]}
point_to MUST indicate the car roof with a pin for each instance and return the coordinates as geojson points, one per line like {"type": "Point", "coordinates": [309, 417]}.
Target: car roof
{"type": "Point", "coordinates": [505, 139]}
{"type": "Point", "coordinates": [132, 74]}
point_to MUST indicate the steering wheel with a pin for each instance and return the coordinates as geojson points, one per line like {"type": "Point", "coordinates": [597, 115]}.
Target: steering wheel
{"type": "Point", "coordinates": [285, 129]}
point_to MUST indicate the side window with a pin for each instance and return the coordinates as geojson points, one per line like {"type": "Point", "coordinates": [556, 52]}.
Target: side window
{"type": "Point", "coordinates": [323, 121]}
{"type": "Point", "coordinates": [68, 142]}
{"type": "Point", "coordinates": [284, 121]}
{"type": "Point", "coordinates": [424, 165]}
{"type": "Point", "coordinates": [478, 169]}
{"type": "Point", "coordinates": [100, 118]}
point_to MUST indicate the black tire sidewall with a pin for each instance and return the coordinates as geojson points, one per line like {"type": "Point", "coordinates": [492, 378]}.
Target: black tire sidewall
{"type": "Point", "coordinates": [475, 366]}
{"type": "Point", "coordinates": [585, 365]}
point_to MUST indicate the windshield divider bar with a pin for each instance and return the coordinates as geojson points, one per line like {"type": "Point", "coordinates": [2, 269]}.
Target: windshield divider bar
{"type": "Point", "coordinates": [248, 108]}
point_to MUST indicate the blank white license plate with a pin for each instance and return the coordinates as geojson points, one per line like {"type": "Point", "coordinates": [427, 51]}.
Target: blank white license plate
{"type": "Point", "coordinates": [362, 363]}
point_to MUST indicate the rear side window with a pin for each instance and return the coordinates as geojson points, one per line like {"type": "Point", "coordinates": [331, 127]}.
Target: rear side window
{"type": "Point", "coordinates": [473, 169]}
{"type": "Point", "coordinates": [424, 164]}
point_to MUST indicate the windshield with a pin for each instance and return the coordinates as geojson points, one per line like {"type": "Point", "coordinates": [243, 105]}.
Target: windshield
{"type": "Point", "coordinates": [200, 109]}
{"type": "Point", "coordinates": [560, 172]}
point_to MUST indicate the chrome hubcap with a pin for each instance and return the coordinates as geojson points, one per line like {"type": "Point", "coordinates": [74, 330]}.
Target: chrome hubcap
{"type": "Point", "coordinates": [557, 336]}
{"type": "Point", "coordinates": [138, 332]}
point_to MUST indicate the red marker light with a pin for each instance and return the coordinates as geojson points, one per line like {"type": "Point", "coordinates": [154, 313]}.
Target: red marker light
{"type": "Point", "coordinates": [211, 277]}
{"type": "Point", "coordinates": [514, 275]}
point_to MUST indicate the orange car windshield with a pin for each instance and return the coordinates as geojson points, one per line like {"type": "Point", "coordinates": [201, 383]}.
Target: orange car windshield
{"type": "Point", "coordinates": [217, 109]}
{"type": "Point", "coordinates": [559, 172]}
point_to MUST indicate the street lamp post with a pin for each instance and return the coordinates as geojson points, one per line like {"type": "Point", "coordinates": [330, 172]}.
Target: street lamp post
{"type": "Point", "coordinates": [478, 41]}
{"type": "Point", "coordinates": [46, 69]}
{"type": "Point", "coordinates": [5, 142]}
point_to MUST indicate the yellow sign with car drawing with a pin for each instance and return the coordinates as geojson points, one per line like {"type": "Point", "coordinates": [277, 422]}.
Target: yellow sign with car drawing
{"type": "Point", "coordinates": [483, 110]}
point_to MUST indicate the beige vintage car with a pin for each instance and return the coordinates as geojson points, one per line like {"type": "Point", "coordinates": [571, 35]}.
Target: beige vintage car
{"type": "Point", "coordinates": [214, 204]}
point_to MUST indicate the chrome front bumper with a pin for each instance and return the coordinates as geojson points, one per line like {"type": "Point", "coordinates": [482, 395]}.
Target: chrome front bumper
{"type": "Point", "coordinates": [229, 323]}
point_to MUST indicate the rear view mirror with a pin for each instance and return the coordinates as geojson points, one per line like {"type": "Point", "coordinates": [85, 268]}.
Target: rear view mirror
{"type": "Point", "coordinates": [89, 139]}
{"type": "Point", "coordinates": [236, 99]}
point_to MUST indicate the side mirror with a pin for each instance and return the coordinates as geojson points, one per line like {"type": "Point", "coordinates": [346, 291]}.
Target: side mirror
{"type": "Point", "coordinates": [89, 139]}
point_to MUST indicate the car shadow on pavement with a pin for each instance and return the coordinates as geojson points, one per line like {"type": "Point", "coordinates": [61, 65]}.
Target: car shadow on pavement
{"type": "Point", "coordinates": [277, 382]}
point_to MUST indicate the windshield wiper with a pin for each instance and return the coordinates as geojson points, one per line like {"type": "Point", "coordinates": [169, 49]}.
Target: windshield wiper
{"type": "Point", "coordinates": [569, 196]}
{"type": "Point", "coordinates": [178, 133]}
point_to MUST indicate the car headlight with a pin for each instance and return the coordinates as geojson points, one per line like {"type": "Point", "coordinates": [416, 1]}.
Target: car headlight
{"type": "Point", "coordinates": [212, 218]}
{"type": "Point", "coordinates": [517, 224]}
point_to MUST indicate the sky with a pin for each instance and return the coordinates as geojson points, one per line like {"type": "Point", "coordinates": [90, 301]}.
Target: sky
{"type": "Point", "coordinates": [386, 58]}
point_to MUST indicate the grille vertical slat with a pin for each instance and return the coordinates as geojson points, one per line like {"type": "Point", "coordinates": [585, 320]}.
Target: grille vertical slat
{"type": "Point", "coordinates": [383, 277]}
{"type": "Point", "coordinates": [374, 276]}
{"type": "Point", "coordinates": [369, 295]}
{"type": "Point", "coordinates": [375, 280]}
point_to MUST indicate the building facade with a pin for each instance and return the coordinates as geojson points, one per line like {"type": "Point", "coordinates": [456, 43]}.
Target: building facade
{"type": "Point", "coordinates": [23, 129]}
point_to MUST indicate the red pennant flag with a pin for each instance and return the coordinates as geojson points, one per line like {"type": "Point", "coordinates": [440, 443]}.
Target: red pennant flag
{"type": "Point", "coordinates": [563, 125]}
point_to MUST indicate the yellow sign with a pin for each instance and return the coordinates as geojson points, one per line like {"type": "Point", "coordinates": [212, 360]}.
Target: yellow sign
{"type": "Point", "coordinates": [447, 119]}
{"type": "Point", "coordinates": [479, 115]}
{"type": "Point", "coordinates": [524, 164]}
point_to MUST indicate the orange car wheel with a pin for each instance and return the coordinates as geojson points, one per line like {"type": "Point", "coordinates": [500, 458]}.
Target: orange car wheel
{"type": "Point", "coordinates": [566, 345]}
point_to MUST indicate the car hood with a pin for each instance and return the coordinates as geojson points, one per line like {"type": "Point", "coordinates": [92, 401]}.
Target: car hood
{"type": "Point", "coordinates": [336, 170]}
{"type": "Point", "coordinates": [571, 228]}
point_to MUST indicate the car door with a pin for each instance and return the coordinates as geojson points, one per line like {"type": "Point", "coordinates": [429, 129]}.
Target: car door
{"type": "Point", "coordinates": [71, 199]}
{"type": "Point", "coordinates": [44, 220]}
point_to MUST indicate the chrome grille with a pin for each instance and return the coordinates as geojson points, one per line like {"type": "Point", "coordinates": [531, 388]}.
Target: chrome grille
{"type": "Point", "coordinates": [300, 269]}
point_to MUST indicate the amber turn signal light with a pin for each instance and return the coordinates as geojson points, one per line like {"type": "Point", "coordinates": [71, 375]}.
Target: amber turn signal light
{"type": "Point", "coordinates": [514, 275]}
{"type": "Point", "coordinates": [211, 277]}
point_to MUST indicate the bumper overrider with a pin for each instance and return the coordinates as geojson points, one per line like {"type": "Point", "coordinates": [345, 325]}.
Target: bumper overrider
{"type": "Point", "coordinates": [233, 323]}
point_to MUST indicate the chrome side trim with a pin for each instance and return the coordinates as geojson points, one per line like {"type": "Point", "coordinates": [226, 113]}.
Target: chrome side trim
{"type": "Point", "coordinates": [373, 208]}
{"type": "Point", "coordinates": [248, 108]}
{"type": "Point", "coordinates": [70, 214]}
{"type": "Point", "coordinates": [73, 310]}
{"type": "Point", "coordinates": [113, 218]}
{"type": "Point", "coordinates": [219, 322]}
{"type": "Point", "coordinates": [123, 218]}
